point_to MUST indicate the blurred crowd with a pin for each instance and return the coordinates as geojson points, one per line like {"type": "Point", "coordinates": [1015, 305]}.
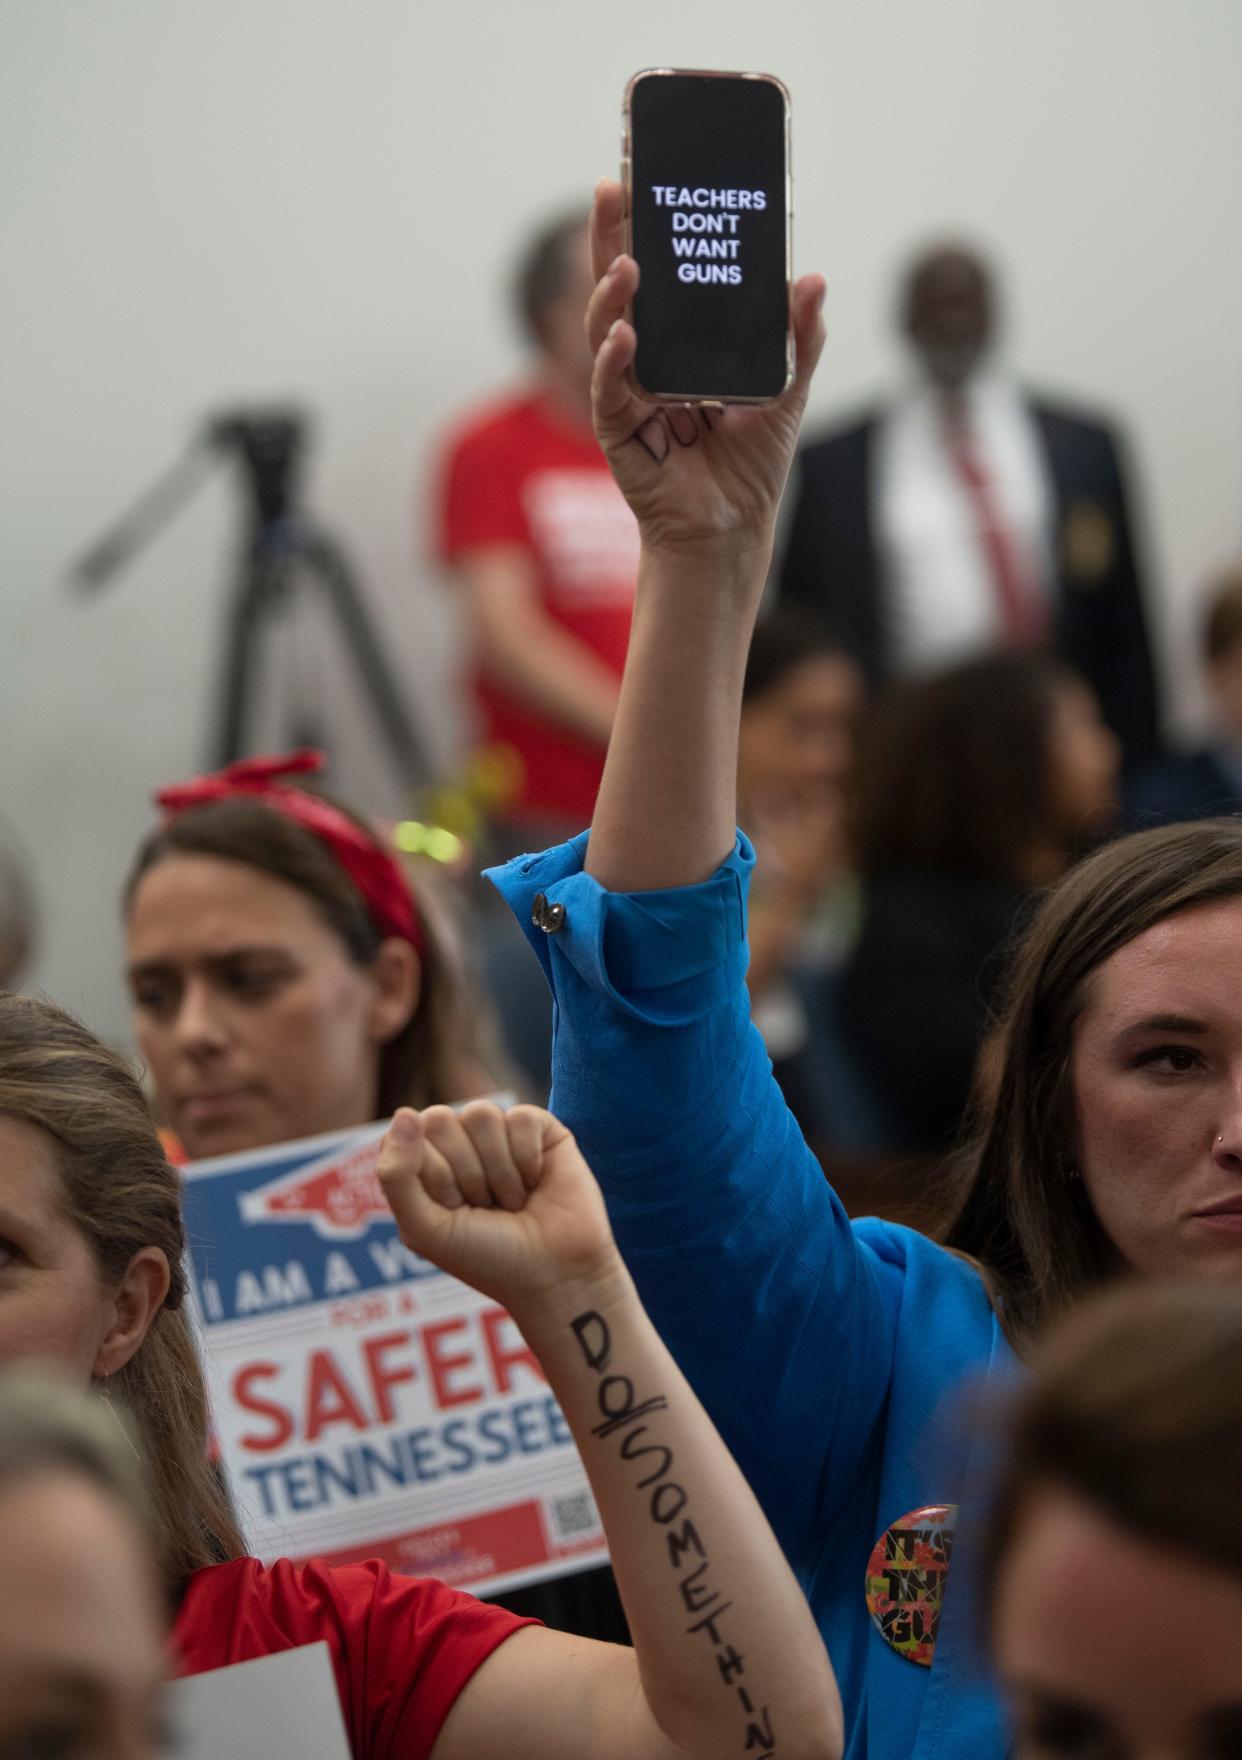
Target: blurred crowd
{"type": "Point", "coordinates": [950, 699]}
{"type": "Point", "coordinates": [952, 693]}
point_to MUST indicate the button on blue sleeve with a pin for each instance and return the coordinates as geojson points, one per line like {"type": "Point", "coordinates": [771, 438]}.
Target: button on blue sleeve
{"type": "Point", "coordinates": [630, 946]}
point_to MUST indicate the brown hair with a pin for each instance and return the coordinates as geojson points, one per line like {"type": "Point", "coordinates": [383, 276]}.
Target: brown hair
{"type": "Point", "coordinates": [1222, 624]}
{"type": "Point", "coordinates": [438, 1056]}
{"type": "Point", "coordinates": [118, 1189]}
{"type": "Point", "coordinates": [544, 271]}
{"type": "Point", "coordinates": [954, 772]}
{"type": "Point", "coordinates": [1016, 1207]}
{"type": "Point", "coordinates": [1135, 1407]}
{"type": "Point", "coordinates": [780, 644]}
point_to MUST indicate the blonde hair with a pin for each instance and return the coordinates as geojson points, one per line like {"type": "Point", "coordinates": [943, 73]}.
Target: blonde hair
{"type": "Point", "coordinates": [47, 1424]}
{"type": "Point", "coordinates": [118, 1189]}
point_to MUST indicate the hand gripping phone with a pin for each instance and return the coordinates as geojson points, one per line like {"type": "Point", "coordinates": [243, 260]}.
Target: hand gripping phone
{"type": "Point", "coordinates": [709, 207]}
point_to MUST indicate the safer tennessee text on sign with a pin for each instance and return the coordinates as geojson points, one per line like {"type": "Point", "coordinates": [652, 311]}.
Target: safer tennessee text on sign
{"type": "Point", "coordinates": [366, 1404]}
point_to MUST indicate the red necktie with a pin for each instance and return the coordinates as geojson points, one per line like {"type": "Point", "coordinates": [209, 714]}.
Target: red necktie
{"type": "Point", "coordinates": [1023, 612]}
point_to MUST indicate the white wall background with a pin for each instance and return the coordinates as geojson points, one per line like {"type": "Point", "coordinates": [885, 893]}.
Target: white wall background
{"type": "Point", "coordinates": [246, 199]}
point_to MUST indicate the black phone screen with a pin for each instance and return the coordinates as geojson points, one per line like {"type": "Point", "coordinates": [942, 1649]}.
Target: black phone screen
{"type": "Point", "coordinates": [709, 216]}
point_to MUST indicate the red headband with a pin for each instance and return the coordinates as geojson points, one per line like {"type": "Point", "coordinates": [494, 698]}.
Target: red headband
{"type": "Point", "coordinates": [375, 872]}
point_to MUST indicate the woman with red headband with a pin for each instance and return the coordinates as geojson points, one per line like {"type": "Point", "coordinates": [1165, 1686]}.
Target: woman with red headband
{"type": "Point", "coordinates": [287, 982]}
{"type": "Point", "coordinates": [285, 979]}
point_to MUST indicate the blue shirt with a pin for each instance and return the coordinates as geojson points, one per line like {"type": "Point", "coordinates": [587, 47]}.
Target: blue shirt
{"type": "Point", "coordinates": [823, 1349]}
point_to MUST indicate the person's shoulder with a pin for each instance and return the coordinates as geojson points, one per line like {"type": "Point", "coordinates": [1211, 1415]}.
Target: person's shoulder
{"type": "Point", "coordinates": [295, 1596]}
{"type": "Point", "coordinates": [216, 1584]}
{"type": "Point", "coordinates": [929, 1269]}
{"type": "Point", "coordinates": [225, 1615]}
{"type": "Point", "coordinates": [494, 427]}
{"type": "Point", "coordinates": [245, 1590]}
{"type": "Point", "coordinates": [288, 1603]}
{"type": "Point", "coordinates": [1067, 418]}
{"type": "Point", "coordinates": [316, 1583]}
{"type": "Point", "coordinates": [901, 1246]}
{"type": "Point", "coordinates": [1180, 786]}
{"type": "Point", "coordinates": [402, 1648]}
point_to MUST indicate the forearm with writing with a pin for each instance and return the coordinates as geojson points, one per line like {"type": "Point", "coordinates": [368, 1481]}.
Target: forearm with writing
{"type": "Point", "coordinates": [729, 1656]}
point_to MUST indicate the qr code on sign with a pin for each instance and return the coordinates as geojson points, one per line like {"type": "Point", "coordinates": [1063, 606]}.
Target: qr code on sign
{"type": "Point", "coordinates": [574, 1515]}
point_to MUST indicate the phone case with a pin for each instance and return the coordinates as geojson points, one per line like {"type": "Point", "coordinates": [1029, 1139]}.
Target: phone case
{"type": "Point", "coordinates": [654, 396]}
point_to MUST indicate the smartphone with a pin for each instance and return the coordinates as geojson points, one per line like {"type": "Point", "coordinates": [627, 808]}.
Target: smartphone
{"type": "Point", "coordinates": [708, 199]}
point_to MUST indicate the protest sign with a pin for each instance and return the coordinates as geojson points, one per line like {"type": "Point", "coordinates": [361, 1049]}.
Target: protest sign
{"type": "Point", "coordinates": [367, 1405]}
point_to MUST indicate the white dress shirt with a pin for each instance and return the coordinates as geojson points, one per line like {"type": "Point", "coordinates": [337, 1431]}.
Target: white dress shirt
{"type": "Point", "coordinates": [942, 602]}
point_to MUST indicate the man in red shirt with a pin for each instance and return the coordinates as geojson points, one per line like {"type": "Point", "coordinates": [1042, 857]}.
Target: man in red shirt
{"type": "Point", "coordinates": [546, 553]}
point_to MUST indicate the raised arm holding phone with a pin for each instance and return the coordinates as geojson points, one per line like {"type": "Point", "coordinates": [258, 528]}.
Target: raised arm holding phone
{"type": "Point", "coordinates": [802, 1334]}
{"type": "Point", "coordinates": [705, 483]}
{"type": "Point", "coordinates": [829, 1352]}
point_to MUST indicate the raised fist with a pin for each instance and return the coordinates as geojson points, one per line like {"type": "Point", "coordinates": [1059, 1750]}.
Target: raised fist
{"type": "Point", "coordinates": [501, 1200]}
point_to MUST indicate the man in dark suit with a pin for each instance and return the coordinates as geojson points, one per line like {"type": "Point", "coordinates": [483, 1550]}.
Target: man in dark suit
{"type": "Point", "coordinates": [969, 514]}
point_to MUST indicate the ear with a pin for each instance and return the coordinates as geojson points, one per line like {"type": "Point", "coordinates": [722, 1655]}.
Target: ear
{"type": "Point", "coordinates": [397, 978]}
{"type": "Point", "coordinates": [138, 1300]}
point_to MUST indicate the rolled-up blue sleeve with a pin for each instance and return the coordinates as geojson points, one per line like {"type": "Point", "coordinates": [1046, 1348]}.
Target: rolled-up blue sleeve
{"type": "Point", "coordinates": [781, 1318]}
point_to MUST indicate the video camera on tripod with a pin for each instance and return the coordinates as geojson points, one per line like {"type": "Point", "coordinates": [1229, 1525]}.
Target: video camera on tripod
{"type": "Point", "coordinates": [283, 549]}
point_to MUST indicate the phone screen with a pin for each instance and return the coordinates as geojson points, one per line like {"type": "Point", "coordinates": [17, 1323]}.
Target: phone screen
{"type": "Point", "coordinates": [709, 228]}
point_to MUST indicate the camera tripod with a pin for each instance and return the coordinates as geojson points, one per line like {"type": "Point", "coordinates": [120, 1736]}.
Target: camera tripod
{"type": "Point", "coordinates": [283, 551]}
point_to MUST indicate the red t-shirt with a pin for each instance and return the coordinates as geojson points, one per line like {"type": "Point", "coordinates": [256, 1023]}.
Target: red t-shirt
{"type": "Point", "coordinates": [402, 1647]}
{"type": "Point", "coordinates": [522, 474]}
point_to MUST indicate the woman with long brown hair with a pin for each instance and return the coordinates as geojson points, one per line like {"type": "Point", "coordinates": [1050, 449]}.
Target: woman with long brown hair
{"type": "Point", "coordinates": [726, 1653]}
{"type": "Point", "coordinates": [1109, 1135]}
{"type": "Point", "coordinates": [1110, 1142]}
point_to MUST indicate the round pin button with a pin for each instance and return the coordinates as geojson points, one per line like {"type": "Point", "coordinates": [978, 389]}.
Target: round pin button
{"type": "Point", "coordinates": [906, 1576]}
